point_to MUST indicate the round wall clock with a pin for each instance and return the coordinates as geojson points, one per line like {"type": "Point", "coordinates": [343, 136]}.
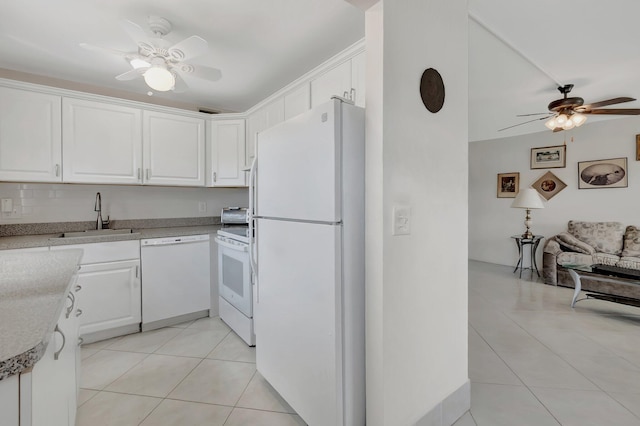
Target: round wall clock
{"type": "Point", "coordinates": [432, 90]}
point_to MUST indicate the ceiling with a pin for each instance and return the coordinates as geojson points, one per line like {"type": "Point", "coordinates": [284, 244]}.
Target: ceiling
{"type": "Point", "coordinates": [519, 52]}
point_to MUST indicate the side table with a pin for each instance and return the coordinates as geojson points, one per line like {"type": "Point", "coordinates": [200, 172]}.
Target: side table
{"type": "Point", "coordinates": [533, 242]}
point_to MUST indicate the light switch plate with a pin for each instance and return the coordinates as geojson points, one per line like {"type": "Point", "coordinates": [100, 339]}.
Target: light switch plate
{"type": "Point", "coordinates": [202, 207]}
{"type": "Point", "coordinates": [401, 220]}
{"type": "Point", "coordinates": [7, 205]}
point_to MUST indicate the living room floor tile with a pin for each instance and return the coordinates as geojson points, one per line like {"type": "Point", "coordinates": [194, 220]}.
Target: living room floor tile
{"type": "Point", "coordinates": [585, 408]}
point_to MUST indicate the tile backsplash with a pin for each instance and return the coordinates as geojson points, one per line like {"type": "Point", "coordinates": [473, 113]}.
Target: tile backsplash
{"type": "Point", "coordinates": [41, 202]}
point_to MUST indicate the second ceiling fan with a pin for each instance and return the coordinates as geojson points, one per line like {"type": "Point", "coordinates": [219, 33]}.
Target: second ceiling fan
{"type": "Point", "coordinates": [567, 113]}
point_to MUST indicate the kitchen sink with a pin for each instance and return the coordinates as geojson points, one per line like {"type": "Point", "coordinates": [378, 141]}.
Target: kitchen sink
{"type": "Point", "coordinates": [96, 233]}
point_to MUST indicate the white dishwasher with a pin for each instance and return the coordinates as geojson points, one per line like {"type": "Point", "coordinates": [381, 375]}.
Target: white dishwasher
{"type": "Point", "coordinates": [176, 280]}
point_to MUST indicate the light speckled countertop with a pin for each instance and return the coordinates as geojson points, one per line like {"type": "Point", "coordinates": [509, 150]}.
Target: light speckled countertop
{"type": "Point", "coordinates": [33, 290]}
{"type": "Point", "coordinates": [45, 240]}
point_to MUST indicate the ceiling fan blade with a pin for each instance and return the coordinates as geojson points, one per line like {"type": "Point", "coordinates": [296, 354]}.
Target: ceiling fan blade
{"type": "Point", "coordinates": [131, 75]}
{"type": "Point", "coordinates": [613, 111]}
{"type": "Point", "coordinates": [207, 73]}
{"type": "Point", "coordinates": [104, 50]}
{"type": "Point", "coordinates": [135, 31]}
{"type": "Point", "coordinates": [525, 122]}
{"type": "Point", "coordinates": [188, 48]}
{"type": "Point", "coordinates": [604, 103]}
{"type": "Point", "coordinates": [536, 113]}
{"type": "Point", "coordinates": [180, 86]}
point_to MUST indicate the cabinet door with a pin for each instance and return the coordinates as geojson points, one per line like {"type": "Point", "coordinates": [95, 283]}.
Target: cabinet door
{"type": "Point", "coordinates": [173, 149]}
{"type": "Point", "coordinates": [102, 143]}
{"type": "Point", "coordinates": [48, 393]}
{"type": "Point", "coordinates": [226, 153]}
{"type": "Point", "coordinates": [256, 122]}
{"type": "Point", "coordinates": [10, 401]}
{"type": "Point", "coordinates": [297, 101]}
{"type": "Point", "coordinates": [358, 78]}
{"type": "Point", "coordinates": [30, 136]}
{"type": "Point", "coordinates": [111, 295]}
{"type": "Point", "coordinates": [336, 81]}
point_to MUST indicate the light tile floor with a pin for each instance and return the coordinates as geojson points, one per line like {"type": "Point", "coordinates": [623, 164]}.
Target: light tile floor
{"type": "Point", "coordinates": [532, 361]}
{"type": "Point", "coordinates": [197, 373]}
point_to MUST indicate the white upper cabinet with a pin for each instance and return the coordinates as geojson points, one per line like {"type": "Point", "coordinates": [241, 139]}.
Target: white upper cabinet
{"type": "Point", "coordinates": [262, 119]}
{"type": "Point", "coordinates": [336, 81]}
{"type": "Point", "coordinates": [30, 136]}
{"type": "Point", "coordinates": [174, 149]}
{"type": "Point", "coordinates": [226, 153]}
{"type": "Point", "coordinates": [297, 101]}
{"type": "Point", "coordinates": [346, 80]}
{"type": "Point", "coordinates": [358, 78]}
{"type": "Point", "coordinates": [102, 143]}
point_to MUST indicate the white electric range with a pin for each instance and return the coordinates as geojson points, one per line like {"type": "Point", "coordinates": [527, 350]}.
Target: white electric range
{"type": "Point", "coordinates": [234, 274]}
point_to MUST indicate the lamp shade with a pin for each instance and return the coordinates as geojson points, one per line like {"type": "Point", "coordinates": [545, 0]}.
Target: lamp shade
{"type": "Point", "coordinates": [528, 198]}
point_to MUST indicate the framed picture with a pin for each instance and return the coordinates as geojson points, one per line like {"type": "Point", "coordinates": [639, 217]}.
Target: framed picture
{"type": "Point", "coordinates": [549, 157]}
{"type": "Point", "coordinates": [548, 185]}
{"type": "Point", "coordinates": [610, 173]}
{"type": "Point", "coordinates": [637, 147]}
{"type": "Point", "coordinates": [508, 185]}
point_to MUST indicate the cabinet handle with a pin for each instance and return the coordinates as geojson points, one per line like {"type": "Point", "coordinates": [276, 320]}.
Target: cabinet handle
{"type": "Point", "coordinates": [139, 173]}
{"type": "Point", "coordinates": [215, 176]}
{"type": "Point", "coordinates": [137, 271]}
{"type": "Point", "coordinates": [352, 94]}
{"type": "Point", "coordinates": [78, 288]}
{"type": "Point", "coordinates": [148, 172]}
{"type": "Point", "coordinates": [57, 170]}
{"type": "Point", "coordinates": [80, 341]}
{"type": "Point", "coordinates": [78, 312]}
{"type": "Point", "coordinates": [71, 297]}
{"type": "Point", "coordinates": [64, 340]}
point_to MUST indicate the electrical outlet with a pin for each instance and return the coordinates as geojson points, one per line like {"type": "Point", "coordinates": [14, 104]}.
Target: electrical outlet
{"type": "Point", "coordinates": [401, 220]}
{"type": "Point", "coordinates": [202, 207]}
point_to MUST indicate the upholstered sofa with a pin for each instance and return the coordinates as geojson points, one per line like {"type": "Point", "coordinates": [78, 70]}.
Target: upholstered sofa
{"type": "Point", "coordinates": [587, 243]}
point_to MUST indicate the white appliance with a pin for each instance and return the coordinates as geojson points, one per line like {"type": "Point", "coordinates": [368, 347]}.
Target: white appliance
{"type": "Point", "coordinates": [234, 274]}
{"type": "Point", "coordinates": [176, 279]}
{"type": "Point", "coordinates": [309, 241]}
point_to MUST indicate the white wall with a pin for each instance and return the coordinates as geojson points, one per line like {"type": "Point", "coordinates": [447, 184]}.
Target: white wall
{"type": "Point", "coordinates": [416, 284]}
{"type": "Point", "coordinates": [40, 203]}
{"type": "Point", "coordinates": [492, 221]}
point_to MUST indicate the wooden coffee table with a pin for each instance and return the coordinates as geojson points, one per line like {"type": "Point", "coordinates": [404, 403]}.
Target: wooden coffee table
{"type": "Point", "coordinates": [622, 282]}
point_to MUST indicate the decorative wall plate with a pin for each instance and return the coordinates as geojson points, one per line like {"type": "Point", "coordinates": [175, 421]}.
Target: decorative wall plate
{"type": "Point", "coordinates": [432, 90]}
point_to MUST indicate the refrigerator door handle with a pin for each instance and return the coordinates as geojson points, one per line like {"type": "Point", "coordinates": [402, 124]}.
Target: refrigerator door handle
{"type": "Point", "coordinates": [250, 213]}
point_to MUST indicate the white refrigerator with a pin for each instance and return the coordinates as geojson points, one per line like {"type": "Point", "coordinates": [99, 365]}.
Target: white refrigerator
{"type": "Point", "coordinates": [308, 215]}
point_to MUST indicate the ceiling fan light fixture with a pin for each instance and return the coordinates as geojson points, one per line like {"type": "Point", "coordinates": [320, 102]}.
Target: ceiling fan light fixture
{"type": "Point", "coordinates": [159, 78]}
{"type": "Point", "coordinates": [578, 119]}
{"type": "Point", "coordinates": [551, 123]}
{"type": "Point", "coordinates": [561, 119]}
{"type": "Point", "coordinates": [568, 125]}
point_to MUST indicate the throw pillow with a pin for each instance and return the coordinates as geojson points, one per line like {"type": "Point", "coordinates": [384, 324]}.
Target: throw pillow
{"type": "Point", "coordinates": [631, 242]}
{"type": "Point", "coordinates": [605, 237]}
{"type": "Point", "coordinates": [572, 243]}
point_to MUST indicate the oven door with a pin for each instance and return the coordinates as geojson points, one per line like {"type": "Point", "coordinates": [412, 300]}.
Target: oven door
{"type": "Point", "coordinates": [234, 275]}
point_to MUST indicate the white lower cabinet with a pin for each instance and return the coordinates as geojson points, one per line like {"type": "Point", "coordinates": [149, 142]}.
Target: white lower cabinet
{"type": "Point", "coordinates": [49, 392]}
{"type": "Point", "coordinates": [109, 276]}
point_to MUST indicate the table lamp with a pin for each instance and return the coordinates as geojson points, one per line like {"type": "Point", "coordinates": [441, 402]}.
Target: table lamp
{"type": "Point", "coordinates": [528, 198]}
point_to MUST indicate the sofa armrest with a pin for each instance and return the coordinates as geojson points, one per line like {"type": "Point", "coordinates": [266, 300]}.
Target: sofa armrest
{"type": "Point", "coordinates": [550, 261]}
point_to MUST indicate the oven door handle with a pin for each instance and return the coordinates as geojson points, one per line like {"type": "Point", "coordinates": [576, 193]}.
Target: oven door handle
{"type": "Point", "coordinates": [235, 247]}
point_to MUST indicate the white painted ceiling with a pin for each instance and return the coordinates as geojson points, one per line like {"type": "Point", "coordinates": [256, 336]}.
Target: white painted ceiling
{"type": "Point", "coordinates": [519, 51]}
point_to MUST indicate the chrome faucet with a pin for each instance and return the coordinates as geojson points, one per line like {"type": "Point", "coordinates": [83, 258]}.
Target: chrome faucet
{"type": "Point", "coordinates": [98, 208]}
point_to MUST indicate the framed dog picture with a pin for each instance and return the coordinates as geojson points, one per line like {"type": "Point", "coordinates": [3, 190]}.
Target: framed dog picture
{"type": "Point", "coordinates": [548, 185]}
{"type": "Point", "coordinates": [508, 185]}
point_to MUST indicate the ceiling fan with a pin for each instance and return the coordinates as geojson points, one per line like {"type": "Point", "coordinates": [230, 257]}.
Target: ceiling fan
{"type": "Point", "coordinates": [161, 66]}
{"type": "Point", "coordinates": [567, 113]}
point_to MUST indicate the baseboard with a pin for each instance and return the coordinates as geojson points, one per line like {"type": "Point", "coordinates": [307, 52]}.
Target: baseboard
{"type": "Point", "coordinates": [167, 322]}
{"type": "Point", "coordinates": [450, 409]}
